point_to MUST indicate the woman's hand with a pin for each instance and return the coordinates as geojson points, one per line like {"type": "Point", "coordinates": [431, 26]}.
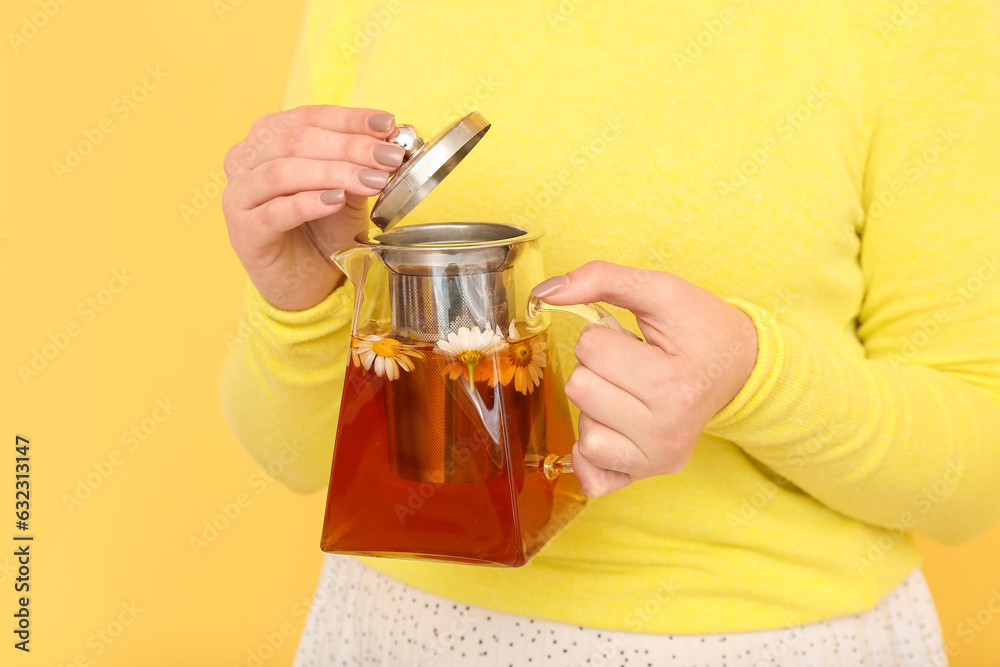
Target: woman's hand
{"type": "Point", "coordinates": [296, 192]}
{"type": "Point", "coordinates": [644, 405]}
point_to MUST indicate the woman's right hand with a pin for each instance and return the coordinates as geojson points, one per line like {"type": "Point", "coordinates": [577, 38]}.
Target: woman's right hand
{"type": "Point", "coordinates": [296, 192]}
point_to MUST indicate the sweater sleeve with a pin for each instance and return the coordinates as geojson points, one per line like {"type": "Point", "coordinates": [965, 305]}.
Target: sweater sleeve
{"type": "Point", "coordinates": [909, 435]}
{"type": "Point", "coordinates": [281, 385]}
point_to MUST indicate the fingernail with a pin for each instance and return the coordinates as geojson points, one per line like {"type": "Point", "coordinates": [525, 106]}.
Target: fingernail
{"type": "Point", "coordinates": [332, 196]}
{"type": "Point", "coordinates": [373, 178]}
{"type": "Point", "coordinates": [550, 286]}
{"type": "Point", "coordinates": [381, 122]}
{"type": "Point", "coordinates": [389, 154]}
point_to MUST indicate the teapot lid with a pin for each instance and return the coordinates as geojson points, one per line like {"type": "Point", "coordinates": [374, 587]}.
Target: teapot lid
{"type": "Point", "coordinates": [424, 166]}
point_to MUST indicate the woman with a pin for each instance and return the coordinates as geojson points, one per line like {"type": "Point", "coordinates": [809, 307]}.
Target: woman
{"type": "Point", "coordinates": [793, 205]}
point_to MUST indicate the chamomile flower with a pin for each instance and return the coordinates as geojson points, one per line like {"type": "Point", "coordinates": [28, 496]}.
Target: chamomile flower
{"type": "Point", "coordinates": [467, 349]}
{"type": "Point", "coordinates": [523, 361]}
{"type": "Point", "coordinates": [383, 355]}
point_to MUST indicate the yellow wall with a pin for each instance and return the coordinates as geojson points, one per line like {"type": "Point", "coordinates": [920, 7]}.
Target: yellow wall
{"type": "Point", "coordinates": [115, 578]}
{"type": "Point", "coordinates": [161, 337]}
{"type": "Point", "coordinates": [966, 585]}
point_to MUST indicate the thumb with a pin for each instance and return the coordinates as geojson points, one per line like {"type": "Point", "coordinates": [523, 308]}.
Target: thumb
{"type": "Point", "coordinates": [622, 286]}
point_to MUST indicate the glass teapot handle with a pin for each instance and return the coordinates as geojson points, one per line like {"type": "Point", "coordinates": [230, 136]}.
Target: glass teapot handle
{"type": "Point", "coordinates": [554, 465]}
{"type": "Point", "coordinates": [588, 311]}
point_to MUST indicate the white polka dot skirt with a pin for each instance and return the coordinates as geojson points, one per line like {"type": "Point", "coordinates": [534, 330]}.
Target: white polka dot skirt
{"type": "Point", "coordinates": [360, 617]}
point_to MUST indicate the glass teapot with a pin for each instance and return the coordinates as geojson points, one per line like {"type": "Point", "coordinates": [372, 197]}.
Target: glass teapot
{"type": "Point", "coordinates": [454, 434]}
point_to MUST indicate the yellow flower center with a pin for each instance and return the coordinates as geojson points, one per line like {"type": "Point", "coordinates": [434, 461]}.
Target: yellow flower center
{"type": "Point", "coordinates": [387, 347]}
{"type": "Point", "coordinates": [520, 354]}
{"type": "Point", "coordinates": [470, 358]}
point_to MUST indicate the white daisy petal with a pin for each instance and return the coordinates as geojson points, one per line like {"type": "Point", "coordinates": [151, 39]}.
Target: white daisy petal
{"type": "Point", "coordinates": [384, 355]}
{"type": "Point", "coordinates": [466, 339]}
{"type": "Point", "coordinates": [536, 373]}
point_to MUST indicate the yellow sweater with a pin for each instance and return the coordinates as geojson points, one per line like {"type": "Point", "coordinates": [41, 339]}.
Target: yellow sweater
{"type": "Point", "coordinates": [830, 167]}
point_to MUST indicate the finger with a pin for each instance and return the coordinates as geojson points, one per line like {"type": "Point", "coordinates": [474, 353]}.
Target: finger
{"type": "Point", "coordinates": [319, 144]}
{"type": "Point", "coordinates": [622, 286]}
{"type": "Point", "coordinates": [348, 120]}
{"type": "Point", "coordinates": [290, 175]}
{"type": "Point", "coordinates": [281, 214]}
{"type": "Point", "coordinates": [345, 120]}
{"type": "Point", "coordinates": [610, 449]}
{"type": "Point", "coordinates": [605, 402]}
{"type": "Point", "coordinates": [640, 369]}
{"type": "Point", "coordinates": [328, 232]}
{"type": "Point", "coordinates": [595, 480]}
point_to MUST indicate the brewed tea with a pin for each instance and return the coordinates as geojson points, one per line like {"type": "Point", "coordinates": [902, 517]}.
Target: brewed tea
{"type": "Point", "coordinates": [438, 461]}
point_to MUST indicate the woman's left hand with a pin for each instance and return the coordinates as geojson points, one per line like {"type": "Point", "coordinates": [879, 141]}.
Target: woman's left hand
{"type": "Point", "coordinates": [643, 405]}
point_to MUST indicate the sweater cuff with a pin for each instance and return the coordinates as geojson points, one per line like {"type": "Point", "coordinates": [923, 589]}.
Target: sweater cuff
{"type": "Point", "coordinates": [291, 327]}
{"type": "Point", "coordinates": [765, 374]}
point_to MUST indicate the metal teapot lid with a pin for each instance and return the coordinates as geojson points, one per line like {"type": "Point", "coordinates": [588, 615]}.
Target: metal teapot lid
{"type": "Point", "coordinates": [424, 166]}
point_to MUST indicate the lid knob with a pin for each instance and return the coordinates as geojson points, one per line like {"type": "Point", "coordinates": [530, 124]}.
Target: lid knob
{"type": "Point", "coordinates": [406, 137]}
{"type": "Point", "coordinates": [424, 166]}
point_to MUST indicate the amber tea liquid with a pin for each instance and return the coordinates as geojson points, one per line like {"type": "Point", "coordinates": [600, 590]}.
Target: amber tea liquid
{"type": "Point", "coordinates": [427, 467]}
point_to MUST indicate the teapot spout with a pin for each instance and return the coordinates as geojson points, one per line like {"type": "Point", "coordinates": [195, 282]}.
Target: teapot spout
{"type": "Point", "coordinates": [353, 262]}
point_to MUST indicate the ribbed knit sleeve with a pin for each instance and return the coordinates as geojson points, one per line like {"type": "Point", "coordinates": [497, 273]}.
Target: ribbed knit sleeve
{"type": "Point", "coordinates": [281, 385]}
{"type": "Point", "coordinates": [908, 436]}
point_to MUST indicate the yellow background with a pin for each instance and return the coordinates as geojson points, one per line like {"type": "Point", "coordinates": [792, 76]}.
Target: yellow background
{"type": "Point", "coordinates": [163, 336]}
